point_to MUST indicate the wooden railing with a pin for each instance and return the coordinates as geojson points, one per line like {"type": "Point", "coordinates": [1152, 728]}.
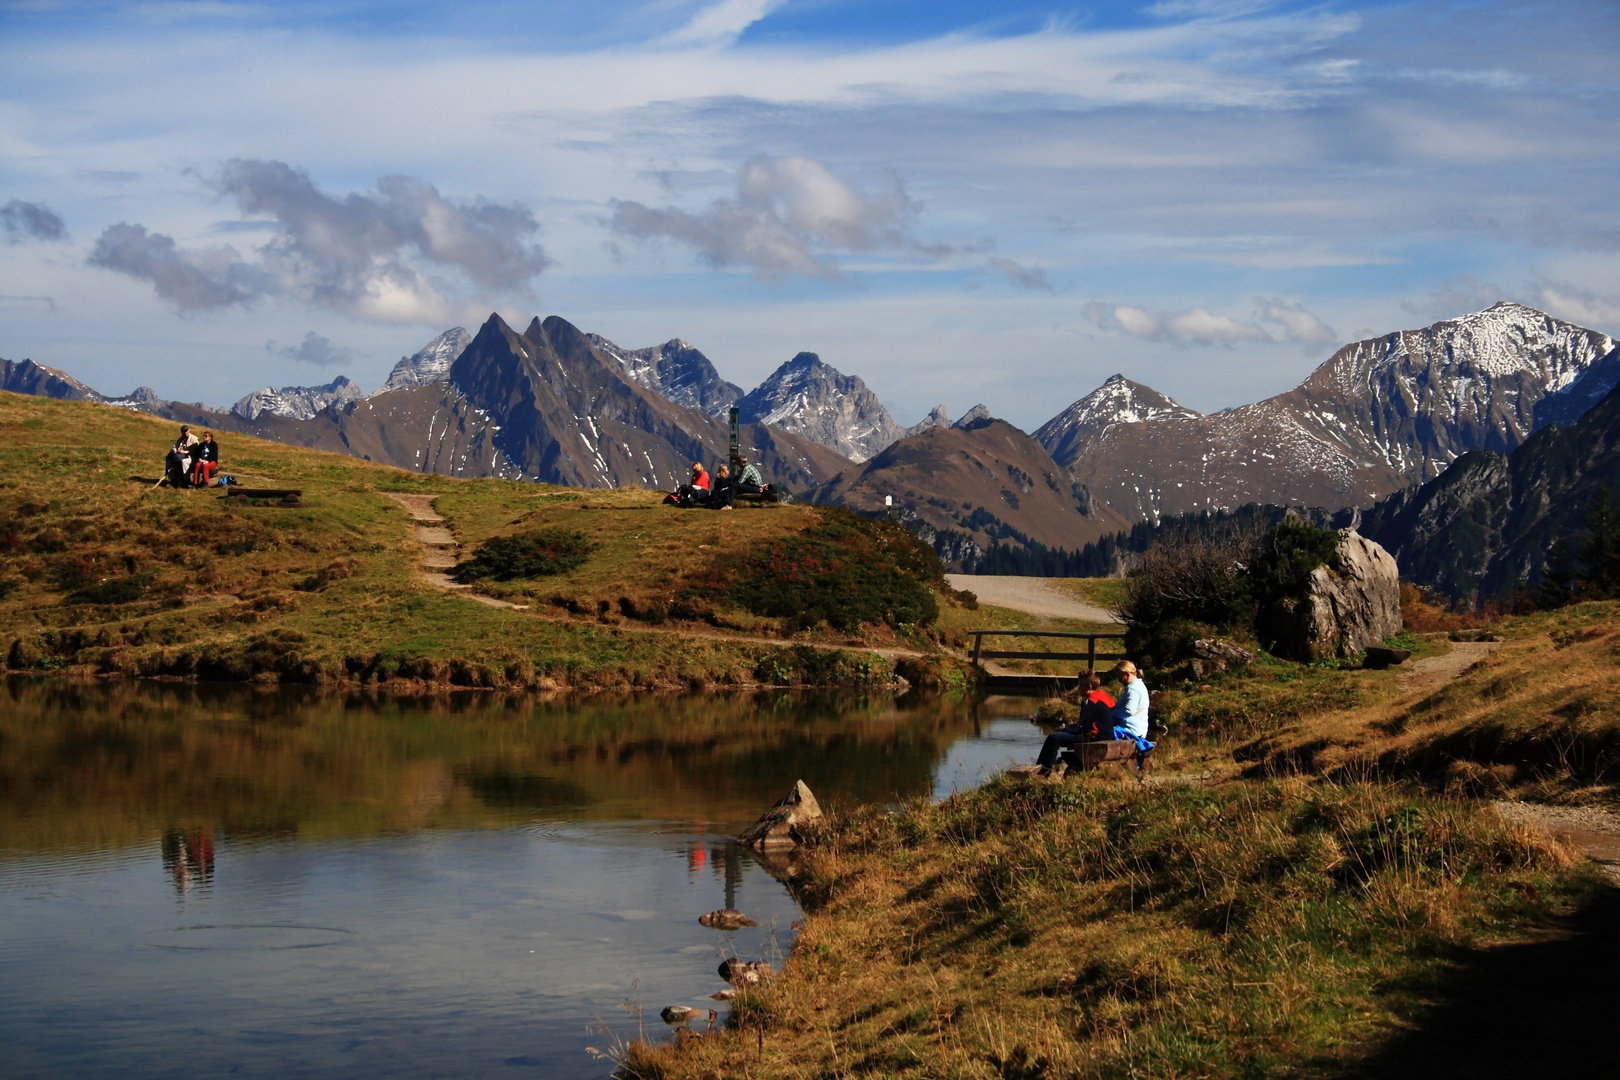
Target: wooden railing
{"type": "Point", "coordinates": [1090, 656]}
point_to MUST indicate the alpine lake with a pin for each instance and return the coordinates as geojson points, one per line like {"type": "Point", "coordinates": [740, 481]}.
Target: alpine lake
{"type": "Point", "coordinates": [212, 880]}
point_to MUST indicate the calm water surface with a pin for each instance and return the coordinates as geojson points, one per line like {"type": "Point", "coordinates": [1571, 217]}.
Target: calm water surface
{"type": "Point", "coordinates": [211, 881]}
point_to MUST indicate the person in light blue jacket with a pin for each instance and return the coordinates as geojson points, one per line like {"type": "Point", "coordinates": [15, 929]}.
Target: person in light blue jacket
{"type": "Point", "coordinates": [1131, 712]}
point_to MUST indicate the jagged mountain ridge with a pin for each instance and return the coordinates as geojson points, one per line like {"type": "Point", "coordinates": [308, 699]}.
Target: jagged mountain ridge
{"type": "Point", "coordinates": [1484, 526]}
{"type": "Point", "coordinates": [292, 402]}
{"type": "Point", "coordinates": [677, 371]}
{"type": "Point", "coordinates": [430, 363]}
{"type": "Point", "coordinates": [1378, 415]}
{"type": "Point", "coordinates": [38, 380]}
{"type": "Point", "coordinates": [815, 400]}
{"type": "Point", "coordinates": [1116, 401]}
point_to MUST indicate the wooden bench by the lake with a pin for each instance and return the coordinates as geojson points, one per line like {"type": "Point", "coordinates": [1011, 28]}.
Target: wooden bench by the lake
{"type": "Point", "coordinates": [272, 496]}
{"type": "Point", "coordinates": [1090, 755]}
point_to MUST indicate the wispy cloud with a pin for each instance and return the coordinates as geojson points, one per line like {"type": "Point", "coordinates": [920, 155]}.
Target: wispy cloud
{"type": "Point", "coordinates": [1580, 305]}
{"type": "Point", "coordinates": [30, 221]}
{"type": "Point", "coordinates": [1025, 277]}
{"type": "Point", "coordinates": [1195, 326]}
{"type": "Point", "coordinates": [723, 23]}
{"type": "Point", "coordinates": [314, 349]}
{"type": "Point", "coordinates": [1298, 325]}
{"type": "Point", "coordinates": [790, 218]}
{"type": "Point", "coordinates": [380, 256]}
{"type": "Point", "coordinates": [1455, 296]}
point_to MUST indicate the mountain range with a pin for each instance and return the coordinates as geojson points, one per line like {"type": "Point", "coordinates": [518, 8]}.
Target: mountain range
{"type": "Point", "coordinates": [556, 404]}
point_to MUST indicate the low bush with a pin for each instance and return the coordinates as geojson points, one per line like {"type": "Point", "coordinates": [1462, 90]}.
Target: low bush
{"type": "Point", "coordinates": [527, 555]}
{"type": "Point", "coordinates": [845, 570]}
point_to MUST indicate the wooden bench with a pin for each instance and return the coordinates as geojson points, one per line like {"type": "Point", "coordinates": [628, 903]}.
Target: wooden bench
{"type": "Point", "coordinates": [1089, 755]}
{"type": "Point", "coordinates": [287, 496]}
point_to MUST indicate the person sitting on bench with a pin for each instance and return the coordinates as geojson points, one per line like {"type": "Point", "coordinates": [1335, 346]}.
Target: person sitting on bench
{"type": "Point", "coordinates": [1130, 715]}
{"type": "Point", "coordinates": [749, 481]}
{"type": "Point", "coordinates": [722, 497]}
{"type": "Point", "coordinates": [1095, 721]}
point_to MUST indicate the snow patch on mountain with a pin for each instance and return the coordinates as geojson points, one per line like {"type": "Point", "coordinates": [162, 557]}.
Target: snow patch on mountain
{"type": "Point", "coordinates": [675, 370]}
{"type": "Point", "coordinates": [430, 363]}
{"type": "Point", "coordinates": [810, 398]}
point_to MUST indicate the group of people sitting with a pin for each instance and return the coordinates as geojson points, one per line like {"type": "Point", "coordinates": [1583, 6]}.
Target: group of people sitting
{"type": "Point", "coordinates": [1103, 718]}
{"type": "Point", "coordinates": [719, 492]}
{"type": "Point", "coordinates": [193, 462]}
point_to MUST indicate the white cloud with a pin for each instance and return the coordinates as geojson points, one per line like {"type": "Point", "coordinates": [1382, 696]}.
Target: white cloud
{"type": "Point", "coordinates": [380, 257]}
{"type": "Point", "coordinates": [723, 23]}
{"type": "Point", "coordinates": [1195, 326]}
{"type": "Point", "coordinates": [1582, 306]}
{"type": "Point", "coordinates": [1298, 325]}
{"type": "Point", "coordinates": [789, 215]}
{"type": "Point", "coordinates": [1025, 277]}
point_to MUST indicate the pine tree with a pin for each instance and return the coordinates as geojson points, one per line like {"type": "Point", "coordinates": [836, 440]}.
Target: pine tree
{"type": "Point", "coordinates": [1557, 585]}
{"type": "Point", "coordinates": [1600, 554]}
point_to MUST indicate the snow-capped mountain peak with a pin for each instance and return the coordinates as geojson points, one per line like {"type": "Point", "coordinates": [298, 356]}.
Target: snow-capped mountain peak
{"type": "Point", "coordinates": [811, 398]}
{"type": "Point", "coordinates": [675, 370]}
{"type": "Point", "coordinates": [297, 402]}
{"type": "Point", "coordinates": [430, 363]}
{"type": "Point", "coordinates": [1116, 401]}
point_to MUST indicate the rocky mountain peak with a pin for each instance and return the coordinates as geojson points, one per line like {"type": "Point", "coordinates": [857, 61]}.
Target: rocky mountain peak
{"type": "Point", "coordinates": [811, 398]}
{"type": "Point", "coordinates": [937, 418]}
{"type": "Point", "coordinates": [979, 412]}
{"type": "Point", "coordinates": [297, 402]}
{"type": "Point", "coordinates": [1117, 401]}
{"type": "Point", "coordinates": [430, 363]}
{"type": "Point", "coordinates": [677, 371]}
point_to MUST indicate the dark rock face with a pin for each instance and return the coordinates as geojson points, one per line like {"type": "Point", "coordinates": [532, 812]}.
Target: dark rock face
{"type": "Point", "coordinates": [1377, 416]}
{"type": "Point", "coordinates": [1483, 527]}
{"type": "Point", "coordinates": [27, 377]}
{"type": "Point", "coordinates": [1565, 406]}
{"type": "Point", "coordinates": [676, 371]}
{"type": "Point", "coordinates": [807, 397]}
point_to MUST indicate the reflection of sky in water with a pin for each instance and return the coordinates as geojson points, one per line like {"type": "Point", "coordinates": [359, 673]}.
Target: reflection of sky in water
{"type": "Point", "coordinates": [1004, 736]}
{"type": "Point", "coordinates": [416, 952]}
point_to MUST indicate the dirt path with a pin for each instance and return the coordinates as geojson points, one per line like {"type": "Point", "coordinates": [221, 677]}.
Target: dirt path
{"type": "Point", "coordinates": [439, 554]}
{"type": "Point", "coordinates": [1593, 829]}
{"type": "Point", "coordinates": [1032, 595]}
{"type": "Point", "coordinates": [1434, 670]}
{"type": "Point", "coordinates": [439, 547]}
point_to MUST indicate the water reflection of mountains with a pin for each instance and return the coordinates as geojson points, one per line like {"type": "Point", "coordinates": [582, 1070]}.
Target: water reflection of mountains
{"type": "Point", "coordinates": [97, 765]}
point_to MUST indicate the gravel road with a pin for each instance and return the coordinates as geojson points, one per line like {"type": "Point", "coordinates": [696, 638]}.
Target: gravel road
{"type": "Point", "coordinates": [1029, 594]}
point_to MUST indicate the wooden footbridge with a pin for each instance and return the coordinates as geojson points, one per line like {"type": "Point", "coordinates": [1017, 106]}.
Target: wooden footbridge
{"type": "Point", "coordinates": [1033, 683]}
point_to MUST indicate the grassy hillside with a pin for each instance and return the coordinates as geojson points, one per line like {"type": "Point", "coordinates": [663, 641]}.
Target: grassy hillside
{"type": "Point", "coordinates": [100, 572]}
{"type": "Point", "coordinates": [1310, 876]}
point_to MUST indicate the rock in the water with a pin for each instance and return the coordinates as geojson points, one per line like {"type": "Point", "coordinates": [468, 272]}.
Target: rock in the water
{"type": "Point", "coordinates": [790, 822]}
{"type": "Point", "coordinates": [685, 1014]}
{"type": "Point", "coordinates": [1024, 772]}
{"type": "Point", "coordinates": [726, 919]}
{"type": "Point", "coordinates": [1342, 612]}
{"type": "Point", "coordinates": [728, 994]}
{"type": "Point", "coordinates": [741, 974]}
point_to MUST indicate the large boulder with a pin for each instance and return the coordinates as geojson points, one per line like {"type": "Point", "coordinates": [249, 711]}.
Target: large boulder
{"type": "Point", "coordinates": [1342, 612]}
{"type": "Point", "coordinates": [788, 823]}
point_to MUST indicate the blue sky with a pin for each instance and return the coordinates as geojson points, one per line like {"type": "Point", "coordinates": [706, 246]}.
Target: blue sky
{"type": "Point", "coordinates": [959, 202]}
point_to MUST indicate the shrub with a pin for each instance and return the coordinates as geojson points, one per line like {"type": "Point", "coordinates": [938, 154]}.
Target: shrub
{"type": "Point", "coordinates": [530, 555]}
{"type": "Point", "coordinates": [845, 570]}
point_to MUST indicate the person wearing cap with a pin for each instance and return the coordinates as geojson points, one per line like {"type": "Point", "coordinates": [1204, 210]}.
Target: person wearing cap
{"type": "Point", "coordinates": [1130, 714]}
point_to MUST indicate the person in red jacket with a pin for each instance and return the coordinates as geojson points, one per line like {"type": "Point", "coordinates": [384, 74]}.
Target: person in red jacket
{"type": "Point", "coordinates": [1095, 723]}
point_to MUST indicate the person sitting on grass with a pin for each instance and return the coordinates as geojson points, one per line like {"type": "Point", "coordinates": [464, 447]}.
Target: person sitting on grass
{"type": "Point", "coordinates": [207, 463]}
{"type": "Point", "coordinates": [1093, 722]}
{"type": "Point", "coordinates": [723, 495]}
{"type": "Point", "coordinates": [1130, 715]}
{"type": "Point", "coordinates": [694, 494]}
{"type": "Point", "coordinates": [177, 465]}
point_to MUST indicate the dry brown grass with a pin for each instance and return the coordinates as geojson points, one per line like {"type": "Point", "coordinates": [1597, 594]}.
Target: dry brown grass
{"type": "Point", "coordinates": [1092, 928]}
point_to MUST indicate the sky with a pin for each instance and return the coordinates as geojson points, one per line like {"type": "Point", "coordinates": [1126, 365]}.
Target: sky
{"type": "Point", "coordinates": [959, 202]}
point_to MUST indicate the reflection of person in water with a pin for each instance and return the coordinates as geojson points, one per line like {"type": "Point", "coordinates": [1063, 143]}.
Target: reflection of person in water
{"type": "Point", "coordinates": [189, 858]}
